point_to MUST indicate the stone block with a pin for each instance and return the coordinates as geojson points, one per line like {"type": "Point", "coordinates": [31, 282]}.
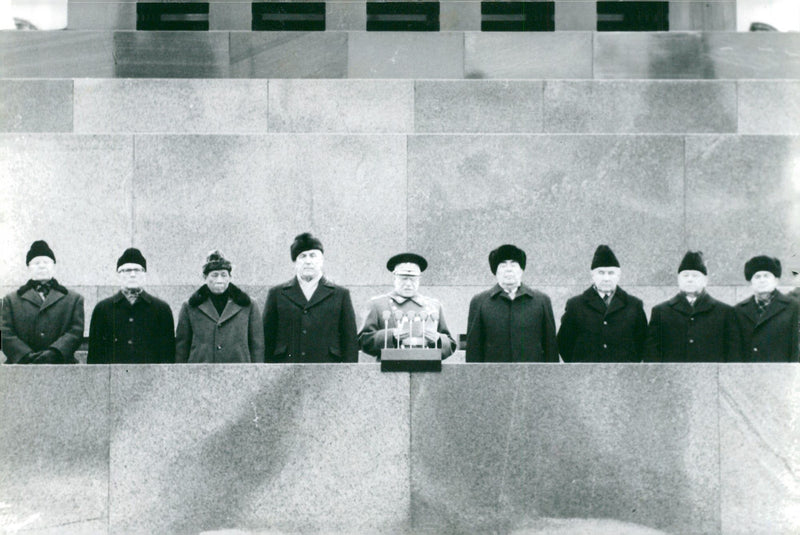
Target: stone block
{"type": "Point", "coordinates": [528, 55]}
{"type": "Point", "coordinates": [459, 16]}
{"type": "Point", "coordinates": [170, 106]}
{"type": "Point", "coordinates": [759, 421]}
{"type": "Point", "coordinates": [576, 15]}
{"type": "Point", "coordinates": [291, 449]}
{"type": "Point", "coordinates": [119, 15]}
{"type": "Point", "coordinates": [55, 174]}
{"type": "Point", "coordinates": [288, 54]}
{"type": "Point", "coordinates": [54, 459]}
{"type": "Point", "coordinates": [346, 106]}
{"type": "Point", "coordinates": [741, 200]}
{"type": "Point", "coordinates": [469, 194]}
{"type": "Point", "coordinates": [477, 106]}
{"type": "Point", "coordinates": [346, 16]}
{"type": "Point", "coordinates": [36, 105]}
{"type": "Point", "coordinates": [230, 16]}
{"type": "Point", "coordinates": [56, 54]}
{"type": "Point", "coordinates": [250, 195]}
{"type": "Point", "coordinates": [624, 438]}
{"type": "Point", "coordinates": [697, 15]}
{"type": "Point", "coordinates": [639, 107]}
{"type": "Point", "coordinates": [405, 55]}
{"type": "Point", "coordinates": [769, 107]}
{"type": "Point", "coordinates": [171, 54]}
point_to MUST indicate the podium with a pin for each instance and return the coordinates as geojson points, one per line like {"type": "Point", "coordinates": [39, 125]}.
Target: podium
{"type": "Point", "coordinates": [415, 359]}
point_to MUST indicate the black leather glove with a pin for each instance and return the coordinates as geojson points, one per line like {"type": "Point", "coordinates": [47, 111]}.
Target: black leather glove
{"type": "Point", "coordinates": [48, 356]}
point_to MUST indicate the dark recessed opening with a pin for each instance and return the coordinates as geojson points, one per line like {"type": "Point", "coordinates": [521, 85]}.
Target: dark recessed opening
{"type": "Point", "coordinates": [632, 16]}
{"type": "Point", "coordinates": [288, 16]}
{"type": "Point", "coordinates": [155, 16]}
{"type": "Point", "coordinates": [518, 16]}
{"type": "Point", "coordinates": [402, 16]}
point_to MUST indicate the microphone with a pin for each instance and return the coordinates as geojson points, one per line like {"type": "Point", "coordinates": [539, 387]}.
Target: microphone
{"type": "Point", "coordinates": [386, 315]}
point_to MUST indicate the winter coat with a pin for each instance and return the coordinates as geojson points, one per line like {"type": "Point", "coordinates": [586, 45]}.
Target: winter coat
{"type": "Point", "coordinates": [772, 337]}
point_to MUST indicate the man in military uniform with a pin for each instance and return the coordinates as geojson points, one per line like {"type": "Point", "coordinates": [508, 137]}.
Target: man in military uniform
{"type": "Point", "coordinates": [404, 317]}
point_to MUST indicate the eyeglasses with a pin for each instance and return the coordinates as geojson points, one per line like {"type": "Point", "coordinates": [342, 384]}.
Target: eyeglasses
{"type": "Point", "coordinates": [128, 271]}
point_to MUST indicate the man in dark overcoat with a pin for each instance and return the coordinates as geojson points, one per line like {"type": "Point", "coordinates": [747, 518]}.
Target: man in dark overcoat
{"type": "Point", "coordinates": [693, 326]}
{"type": "Point", "coordinates": [132, 326]}
{"type": "Point", "coordinates": [768, 320]}
{"type": "Point", "coordinates": [604, 323]}
{"type": "Point", "coordinates": [510, 322]}
{"type": "Point", "coordinates": [309, 319]}
{"type": "Point", "coordinates": [42, 321]}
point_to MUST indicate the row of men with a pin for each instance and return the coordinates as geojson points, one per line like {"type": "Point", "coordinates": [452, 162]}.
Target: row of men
{"type": "Point", "coordinates": [310, 319]}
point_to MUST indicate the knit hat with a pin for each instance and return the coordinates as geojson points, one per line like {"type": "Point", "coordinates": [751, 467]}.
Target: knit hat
{"type": "Point", "coordinates": [693, 260]}
{"type": "Point", "coordinates": [304, 242]}
{"type": "Point", "coordinates": [762, 263]}
{"type": "Point", "coordinates": [407, 258]}
{"type": "Point", "coordinates": [132, 255]}
{"type": "Point", "coordinates": [604, 257]}
{"type": "Point", "coordinates": [215, 262]}
{"type": "Point", "coordinates": [39, 248]}
{"type": "Point", "coordinates": [506, 252]}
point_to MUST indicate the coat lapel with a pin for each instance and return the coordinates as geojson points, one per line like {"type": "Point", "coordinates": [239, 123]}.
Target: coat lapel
{"type": "Point", "coordinates": [775, 307]}
{"type": "Point", "coordinates": [292, 291]}
{"type": "Point", "coordinates": [703, 303]}
{"type": "Point", "coordinates": [323, 291]}
{"type": "Point", "coordinates": [680, 304]}
{"type": "Point", "coordinates": [52, 298]}
{"type": "Point", "coordinates": [594, 301]}
{"type": "Point", "coordinates": [32, 296]}
{"type": "Point", "coordinates": [618, 302]}
{"type": "Point", "coordinates": [207, 308]}
{"type": "Point", "coordinates": [231, 309]}
{"type": "Point", "coordinates": [748, 308]}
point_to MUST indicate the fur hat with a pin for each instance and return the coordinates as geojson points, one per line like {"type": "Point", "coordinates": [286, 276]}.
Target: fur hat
{"type": "Point", "coordinates": [506, 252]}
{"type": "Point", "coordinates": [304, 242]}
{"type": "Point", "coordinates": [762, 263]}
{"type": "Point", "coordinates": [693, 260]}
{"type": "Point", "coordinates": [604, 257]}
{"type": "Point", "coordinates": [407, 258]}
{"type": "Point", "coordinates": [39, 248]}
{"type": "Point", "coordinates": [215, 262]}
{"type": "Point", "coordinates": [132, 255]}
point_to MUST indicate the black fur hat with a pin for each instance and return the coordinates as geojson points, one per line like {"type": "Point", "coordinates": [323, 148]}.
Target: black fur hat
{"type": "Point", "coordinates": [304, 242]}
{"type": "Point", "coordinates": [506, 252]}
{"type": "Point", "coordinates": [39, 248]}
{"type": "Point", "coordinates": [693, 260]}
{"type": "Point", "coordinates": [214, 262]}
{"type": "Point", "coordinates": [604, 257]}
{"type": "Point", "coordinates": [132, 255]}
{"type": "Point", "coordinates": [762, 263]}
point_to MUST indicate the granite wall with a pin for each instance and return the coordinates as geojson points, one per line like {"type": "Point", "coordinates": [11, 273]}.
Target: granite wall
{"type": "Point", "coordinates": [533, 449]}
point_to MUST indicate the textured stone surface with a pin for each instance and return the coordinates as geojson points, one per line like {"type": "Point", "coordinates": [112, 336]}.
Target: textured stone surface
{"type": "Point", "coordinates": [405, 55]}
{"type": "Point", "coordinates": [230, 16]}
{"type": "Point", "coordinates": [528, 55]}
{"type": "Point", "coordinates": [693, 15]}
{"type": "Point", "coordinates": [288, 54]}
{"type": "Point", "coordinates": [54, 424]}
{"type": "Point", "coordinates": [287, 448]}
{"type": "Point", "coordinates": [469, 194]}
{"type": "Point", "coordinates": [83, 15]}
{"type": "Point", "coordinates": [196, 186]}
{"type": "Point", "coordinates": [343, 16]}
{"type": "Point", "coordinates": [639, 107]}
{"type": "Point", "coordinates": [348, 106]}
{"type": "Point", "coordinates": [459, 15]}
{"type": "Point", "coordinates": [760, 449]}
{"type": "Point", "coordinates": [57, 173]}
{"type": "Point", "coordinates": [171, 54]}
{"type": "Point", "coordinates": [477, 106]}
{"type": "Point", "coordinates": [769, 107]}
{"type": "Point", "coordinates": [56, 54]}
{"type": "Point", "coordinates": [575, 15]}
{"type": "Point", "coordinates": [179, 106]}
{"type": "Point", "coordinates": [496, 445]}
{"type": "Point", "coordinates": [36, 105]}
{"type": "Point", "coordinates": [742, 200]}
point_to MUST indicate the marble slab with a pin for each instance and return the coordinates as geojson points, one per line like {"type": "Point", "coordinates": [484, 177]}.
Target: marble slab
{"type": "Point", "coordinates": [576, 15]}
{"type": "Point", "coordinates": [88, 15]}
{"type": "Point", "coordinates": [56, 171]}
{"type": "Point", "coordinates": [250, 196]}
{"type": "Point", "coordinates": [527, 55]}
{"type": "Point", "coordinates": [759, 449]}
{"type": "Point", "coordinates": [54, 459]}
{"type": "Point", "coordinates": [288, 54]}
{"type": "Point", "coordinates": [35, 105]}
{"type": "Point", "coordinates": [494, 447]}
{"type": "Point", "coordinates": [459, 16]}
{"type": "Point", "coordinates": [639, 107]}
{"type": "Point", "coordinates": [346, 106]}
{"type": "Point", "coordinates": [405, 55]}
{"type": "Point", "coordinates": [171, 54]}
{"type": "Point", "coordinates": [741, 200]}
{"type": "Point", "coordinates": [556, 197]}
{"type": "Point", "coordinates": [770, 107]}
{"type": "Point", "coordinates": [699, 15]}
{"type": "Point", "coordinates": [56, 54]}
{"type": "Point", "coordinates": [230, 16]}
{"type": "Point", "coordinates": [346, 16]}
{"type": "Point", "coordinates": [286, 449]}
{"type": "Point", "coordinates": [170, 106]}
{"type": "Point", "coordinates": [473, 106]}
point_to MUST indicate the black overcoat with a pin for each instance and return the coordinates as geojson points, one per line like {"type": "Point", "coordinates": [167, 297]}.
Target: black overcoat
{"type": "Point", "coordinates": [502, 330]}
{"type": "Point", "coordinates": [121, 333]}
{"type": "Point", "coordinates": [773, 337]}
{"type": "Point", "coordinates": [592, 332]}
{"type": "Point", "coordinates": [319, 330]}
{"type": "Point", "coordinates": [707, 332]}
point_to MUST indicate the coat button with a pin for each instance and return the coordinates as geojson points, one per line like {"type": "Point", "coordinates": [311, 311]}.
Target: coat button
{"type": "Point", "coordinates": [305, 311]}
{"type": "Point", "coordinates": [691, 341]}
{"type": "Point", "coordinates": [691, 319]}
{"type": "Point", "coordinates": [303, 354]}
{"type": "Point", "coordinates": [605, 346]}
{"type": "Point", "coordinates": [130, 320]}
{"type": "Point", "coordinates": [219, 348]}
{"type": "Point", "coordinates": [304, 331]}
{"type": "Point", "coordinates": [130, 342]}
{"type": "Point", "coordinates": [755, 349]}
{"type": "Point", "coordinates": [41, 334]}
{"type": "Point", "coordinates": [605, 323]}
{"type": "Point", "coordinates": [116, 340]}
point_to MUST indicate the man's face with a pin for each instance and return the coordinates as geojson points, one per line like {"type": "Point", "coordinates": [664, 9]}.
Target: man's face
{"type": "Point", "coordinates": [218, 280]}
{"type": "Point", "coordinates": [41, 268]}
{"type": "Point", "coordinates": [406, 285]}
{"type": "Point", "coordinates": [763, 282]}
{"type": "Point", "coordinates": [606, 279]}
{"type": "Point", "coordinates": [691, 281]}
{"type": "Point", "coordinates": [509, 273]}
{"type": "Point", "coordinates": [131, 276]}
{"type": "Point", "coordinates": [308, 264]}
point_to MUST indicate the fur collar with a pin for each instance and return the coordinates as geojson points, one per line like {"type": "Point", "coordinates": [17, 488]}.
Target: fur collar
{"type": "Point", "coordinates": [30, 285]}
{"type": "Point", "coordinates": [236, 295]}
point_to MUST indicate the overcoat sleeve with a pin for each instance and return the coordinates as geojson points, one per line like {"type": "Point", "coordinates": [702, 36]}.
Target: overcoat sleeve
{"type": "Point", "coordinates": [549, 342]}
{"type": "Point", "coordinates": [567, 333]}
{"type": "Point", "coordinates": [99, 331]}
{"type": "Point", "coordinates": [475, 331]}
{"type": "Point", "coordinates": [446, 341]}
{"type": "Point", "coordinates": [14, 347]}
{"type": "Point", "coordinates": [348, 334]}
{"type": "Point", "coordinates": [794, 349]}
{"type": "Point", "coordinates": [183, 335]}
{"type": "Point", "coordinates": [166, 336]}
{"type": "Point", "coordinates": [270, 324]}
{"type": "Point", "coordinates": [371, 337]}
{"type": "Point", "coordinates": [255, 334]}
{"type": "Point", "coordinates": [640, 332]}
{"type": "Point", "coordinates": [652, 352]}
{"type": "Point", "coordinates": [70, 341]}
{"type": "Point", "coordinates": [733, 341]}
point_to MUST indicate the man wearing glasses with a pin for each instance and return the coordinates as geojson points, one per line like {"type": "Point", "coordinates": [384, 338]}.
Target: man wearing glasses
{"type": "Point", "coordinates": [404, 317]}
{"type": "Point", "coordinates": [132, 326]}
